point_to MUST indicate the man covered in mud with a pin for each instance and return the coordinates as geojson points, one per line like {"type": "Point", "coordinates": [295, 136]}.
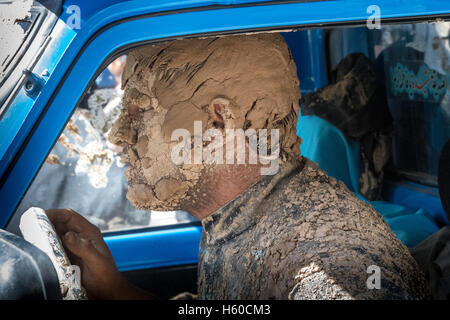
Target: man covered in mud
{"type": "Point", "coordinates": [275, 228]}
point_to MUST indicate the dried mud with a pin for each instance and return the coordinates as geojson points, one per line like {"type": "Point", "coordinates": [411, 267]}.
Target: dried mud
{"type": "Point", "coordinates": [303, 235]}
{"type": "Point", "coordinates": [169, 86]}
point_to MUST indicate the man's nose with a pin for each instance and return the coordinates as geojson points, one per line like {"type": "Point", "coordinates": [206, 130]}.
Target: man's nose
{"type": "Point", "coordinates": [124, 140]}
{"type": "Point", "coordinates": [122, 134]}
{"type": "Point", "coordinates": [126, 137]}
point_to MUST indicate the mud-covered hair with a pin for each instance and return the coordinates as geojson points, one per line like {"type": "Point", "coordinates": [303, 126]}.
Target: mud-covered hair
{"type": "Point", "coordinates": [256, 73]}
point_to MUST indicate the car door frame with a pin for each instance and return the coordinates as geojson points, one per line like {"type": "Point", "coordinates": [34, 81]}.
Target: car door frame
{"type": "Point", "coordinates": [115, 30]}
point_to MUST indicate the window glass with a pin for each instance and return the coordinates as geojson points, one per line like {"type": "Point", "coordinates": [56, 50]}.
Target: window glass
{"type": "Point", "coordinates": [416, 65]}
{"type": "Point", "coordinates": [413, 62]}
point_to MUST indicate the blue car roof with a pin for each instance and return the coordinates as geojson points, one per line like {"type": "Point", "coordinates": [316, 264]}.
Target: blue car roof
{"type": "Point", "coordinates": [91, 8]}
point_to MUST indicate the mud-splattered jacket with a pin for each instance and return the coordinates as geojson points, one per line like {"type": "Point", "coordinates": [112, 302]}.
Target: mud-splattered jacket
{"type": "Point", "coordinates": [303, 235]}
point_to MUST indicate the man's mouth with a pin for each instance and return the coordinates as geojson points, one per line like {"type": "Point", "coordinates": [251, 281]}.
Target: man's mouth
{"type": "Point", "coordinates": [124, 157]}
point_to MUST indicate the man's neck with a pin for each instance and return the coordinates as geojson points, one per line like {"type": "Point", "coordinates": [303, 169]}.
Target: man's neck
{"type": "Point", "coordinates": [221, 187]}
{"type": "Point", "coordinates": [248, 207]}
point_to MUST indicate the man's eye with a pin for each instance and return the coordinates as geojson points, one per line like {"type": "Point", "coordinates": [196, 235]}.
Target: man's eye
{"type": "Point", "coordinates": [132, 109]}
{"type": "Point", "coordinates": [149, 109]}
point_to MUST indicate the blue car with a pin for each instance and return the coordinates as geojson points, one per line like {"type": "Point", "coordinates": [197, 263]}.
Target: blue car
{"type": "Point", "coordinates": [60, 92]}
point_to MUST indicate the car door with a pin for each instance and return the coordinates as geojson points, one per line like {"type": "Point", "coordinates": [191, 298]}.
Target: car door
{"type": "Point", "coordinates": [161, 259]}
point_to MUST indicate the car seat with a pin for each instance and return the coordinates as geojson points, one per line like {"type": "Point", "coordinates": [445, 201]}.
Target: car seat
{"type": "Point", "coordinates": [339, 157]}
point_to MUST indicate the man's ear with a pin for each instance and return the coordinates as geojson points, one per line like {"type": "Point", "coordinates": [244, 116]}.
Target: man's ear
{"type": "Point", "coordinates": [217, 110]}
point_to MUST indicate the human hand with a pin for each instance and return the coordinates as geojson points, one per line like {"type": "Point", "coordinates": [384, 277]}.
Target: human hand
{"type": "Point", "coordinates": [86, 248]}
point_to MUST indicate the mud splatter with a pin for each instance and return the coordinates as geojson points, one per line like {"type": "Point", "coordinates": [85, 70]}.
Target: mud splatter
{"type": "Point", "coordinates": [12, 33]}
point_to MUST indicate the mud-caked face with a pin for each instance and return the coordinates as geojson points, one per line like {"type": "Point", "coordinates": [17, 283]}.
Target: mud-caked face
{"type": "Point", "coordinates": [155, 182]}
{"type": "Point", "coordinates": [235, 82]}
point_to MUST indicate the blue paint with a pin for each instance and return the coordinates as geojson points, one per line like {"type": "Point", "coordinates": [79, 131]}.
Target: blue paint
{"type": "Point", "coordinates": [88, 9]}
{"type": "Point", "coordinates": [23, 112]}
{"type": "Point", "coordinates": [154, 249]}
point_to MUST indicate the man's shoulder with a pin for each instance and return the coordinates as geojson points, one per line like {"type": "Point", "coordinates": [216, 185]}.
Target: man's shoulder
{"type": "Point", "coordinates": [312, 184]}
{"type": "Point", "coordinates": [310, 192]}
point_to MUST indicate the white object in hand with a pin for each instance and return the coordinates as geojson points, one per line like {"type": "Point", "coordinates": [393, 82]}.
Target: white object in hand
{"type": "Point", "coordinates": [37, 229]}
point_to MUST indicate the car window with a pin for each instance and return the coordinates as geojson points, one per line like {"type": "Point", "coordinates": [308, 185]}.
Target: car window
{"type": "Point", "coordinates": [413, 61]}
{"type": "Point", "coordinates": [83, 170]}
